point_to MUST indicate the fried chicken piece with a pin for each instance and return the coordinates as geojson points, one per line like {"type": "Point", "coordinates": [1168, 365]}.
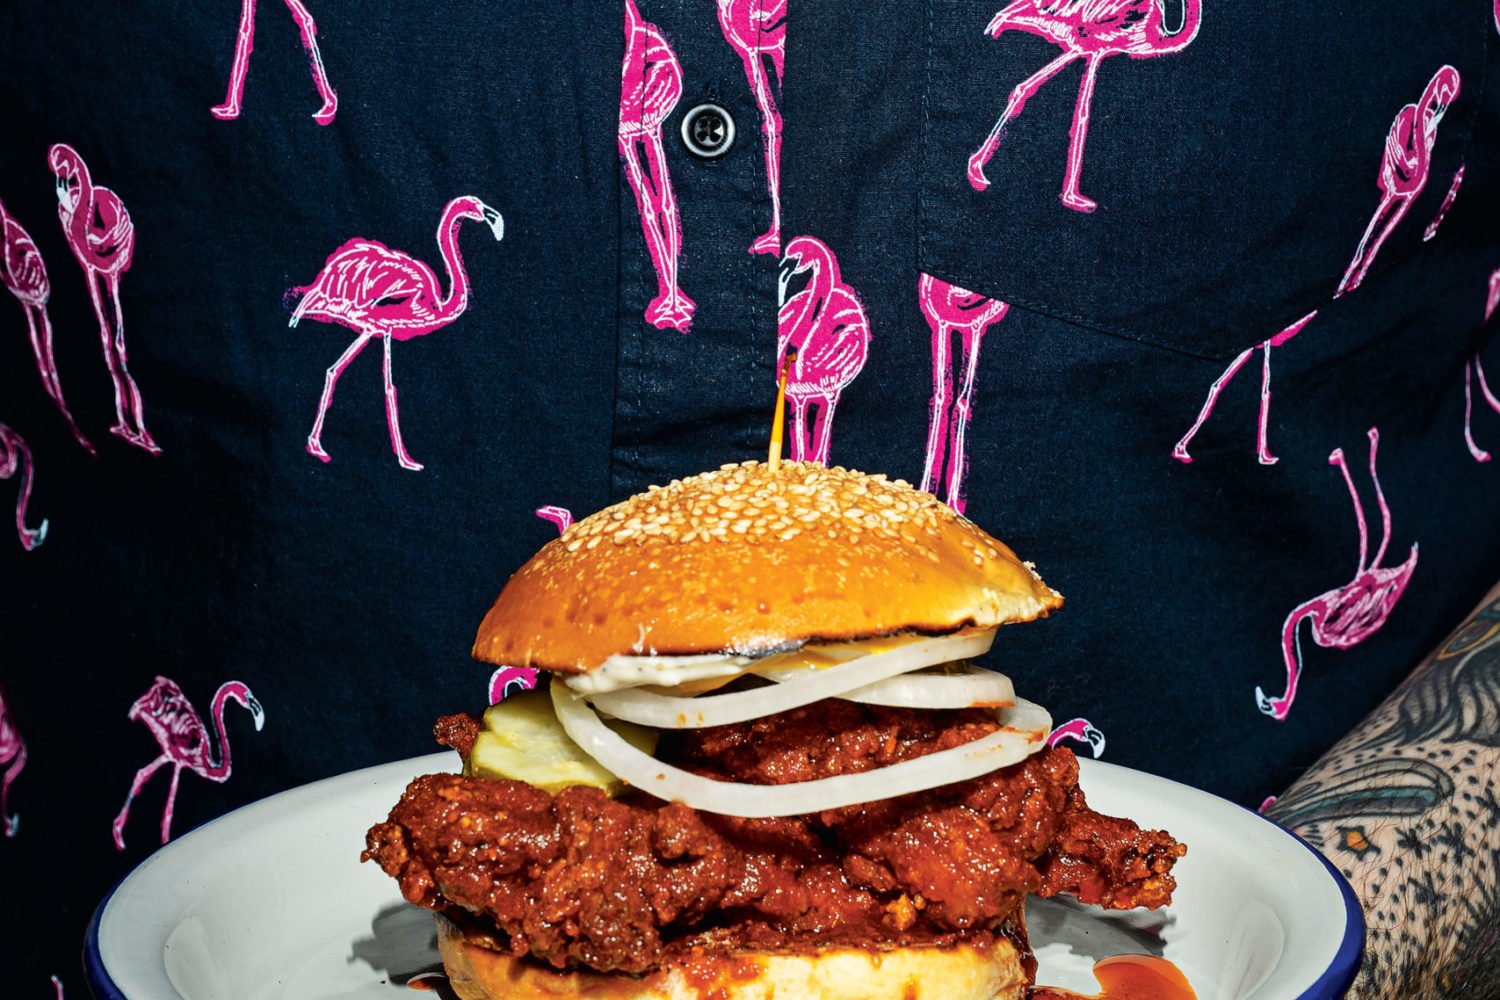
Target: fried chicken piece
{"type": "Point", "coordinates": [827, 738]}
{"type": "Point", "coordinates": [614, 884]}
{"type": "Point", "coordinates": [458, 732]}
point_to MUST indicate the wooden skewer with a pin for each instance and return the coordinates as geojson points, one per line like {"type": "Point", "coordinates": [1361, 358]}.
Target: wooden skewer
{"type": "Point", "coordinates": [778, 421]}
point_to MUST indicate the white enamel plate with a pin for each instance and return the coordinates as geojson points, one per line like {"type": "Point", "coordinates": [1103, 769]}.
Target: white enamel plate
{"type": "Point", "coordinates": [272, 901]}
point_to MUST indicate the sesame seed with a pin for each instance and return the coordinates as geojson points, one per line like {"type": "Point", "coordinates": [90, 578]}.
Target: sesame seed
{"type": "Point", "coordinates": [747, 503]}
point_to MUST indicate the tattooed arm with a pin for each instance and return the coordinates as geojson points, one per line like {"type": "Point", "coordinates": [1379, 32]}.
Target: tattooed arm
{"type": "Point", "coordinates": [1408, 807]}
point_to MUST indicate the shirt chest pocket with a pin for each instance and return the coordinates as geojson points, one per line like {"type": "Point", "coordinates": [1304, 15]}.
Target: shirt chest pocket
{"type": "Point", "coordinates": [1189, 173]}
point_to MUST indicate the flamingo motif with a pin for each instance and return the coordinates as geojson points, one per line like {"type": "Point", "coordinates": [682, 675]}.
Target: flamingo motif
{"type": "Point", "coordinates": [1083, 29]}
{"type": "Point", "coordinates": [184, 742]}
{"type": "Point", "coordinates": [12, 753]}
{"type": "Point", "coordinates": [380, 292]}
{"type": "Point", "coordinates": [1442, 213]}
{"type": "Point", "coordinates": [25, 273]}
{"type": "Point", "coordinates": [1474, 368]}
{"type": "Point", "coordinates": [15, 458]}
{"type": "Point", "coordinates": [1180, 451]}
{"type": "Point", "coordinates": [511, 680]}
{"type": "Point", "coordinates": [1080, 731]}
{"type": "Point", "coordinates": [1406, 161]}
{"type": "Point", "coordinates": [561, 517]}
{"type": "Point", "coordinates": [949, 308]}
{"type": "Point", "coordinates": [245, 41]}
{"type": "Point", "coordinates": [825, 325]}
{"type": "Point", "coordinates": [507, 681]}
{"type": "Point", "coordinates": [650, 87]}
{"type": "Point", "coordinates": [58, 987]}
{"type": "Point", "coordinates": [102, 237]}
{"type": "Point", "coordinates": [757, 31]}
{"type": "Point", "coordinates": [1345, 616]}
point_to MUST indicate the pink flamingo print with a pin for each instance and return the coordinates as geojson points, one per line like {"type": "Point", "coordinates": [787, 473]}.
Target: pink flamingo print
{"type": "Point", "coordinates": [507, 681]}
{"type": "Point", "coordinates": [1474, 368]}
{"type": "Point", "coordinates": [1348, 615]}
{"type": "Point", "coordinates": [825, 325]}
{"type": "Point", "coordinates": [102, 237]}
{"type": "Point", "coordinates": [1404, 166]}
{"type": "Point", "coordinates": [184, 742]}
{"type": "Point", "coordinates": [757, 31]}
{"type": "Point", "coordinates": [25, 273]}
{"type": "Point", "coordinates": [561, 517]}
{"type": "Point", "coordinates": [13, 754]}
{"type": "Point", "coordinates": [380, 292]}
{"type": "Point", "coordinates": [511, 680]}
{"type": "Point", "coordinates": [650, 87]}
{"type": "Point", "coordinates": [1180, 451]}
{"type": "Point", "coordinates": [1442, 213]}
{"type": "Point", "coordinates": [15, 458]}
{"type": "Point", "coordinates": [1083, 29]}
{"type": "Point", "coordinates": [245, 41]}
{"type": "Point", "coordinates": [1080, 731]}
{"type": "Point", "coordinates": [949, 308]}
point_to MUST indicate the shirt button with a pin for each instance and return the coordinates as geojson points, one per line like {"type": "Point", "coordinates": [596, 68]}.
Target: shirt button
{"type": "Point", "coordinates": [708, 131]}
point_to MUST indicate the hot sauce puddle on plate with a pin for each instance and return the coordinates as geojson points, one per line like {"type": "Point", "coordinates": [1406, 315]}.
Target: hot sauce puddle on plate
{"type": "Point", "coordinates": [1128, 977]}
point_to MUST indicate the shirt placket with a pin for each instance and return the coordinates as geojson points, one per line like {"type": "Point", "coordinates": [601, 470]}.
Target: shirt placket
{"type": "Point", "coordinates": [696, 319]}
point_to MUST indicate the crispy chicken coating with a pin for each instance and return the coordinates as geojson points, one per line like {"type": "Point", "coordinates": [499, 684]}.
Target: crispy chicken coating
{"type": "Point", "coordinates": [579, 879]}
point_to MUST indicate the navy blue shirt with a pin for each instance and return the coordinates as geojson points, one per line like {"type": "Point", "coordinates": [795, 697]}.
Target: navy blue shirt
{"type": "Point", "coordinates": [1184, 301]}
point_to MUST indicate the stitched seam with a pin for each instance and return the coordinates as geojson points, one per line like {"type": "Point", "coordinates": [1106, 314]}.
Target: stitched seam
{"type": "Point", "coordinates": [1090, 325]}
{"type": "Point", "coordinates": [1454, 285]}
{"type": "Point", "coordinates": [926, 127]}
{"type": "Point", "coordinates": [1487, 16]}
{"type": "Point", "coordinates": [613, 486]}
{"type": "Point", "coordinates": [925, 264]}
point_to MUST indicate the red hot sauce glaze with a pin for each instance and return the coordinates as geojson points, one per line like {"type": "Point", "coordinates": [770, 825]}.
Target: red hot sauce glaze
{"type": "Point", "coordinates": [1128, 977]}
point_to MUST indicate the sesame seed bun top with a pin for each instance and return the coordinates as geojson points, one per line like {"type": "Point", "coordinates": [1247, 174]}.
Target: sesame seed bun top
{"type": "Point", "coordinates": [747, 560]}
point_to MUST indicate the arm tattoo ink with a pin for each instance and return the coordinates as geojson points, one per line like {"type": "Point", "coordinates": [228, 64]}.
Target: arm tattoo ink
{"type": "Point", "coordinates": [1408, 807]}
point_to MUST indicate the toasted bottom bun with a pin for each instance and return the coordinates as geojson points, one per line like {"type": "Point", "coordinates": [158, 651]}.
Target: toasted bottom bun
{"type": "Point", "coordinates": [957, 972]}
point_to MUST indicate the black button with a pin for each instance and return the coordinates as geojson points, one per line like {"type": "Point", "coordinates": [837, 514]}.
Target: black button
{"type": "Point", "coordinates": [708, 131]}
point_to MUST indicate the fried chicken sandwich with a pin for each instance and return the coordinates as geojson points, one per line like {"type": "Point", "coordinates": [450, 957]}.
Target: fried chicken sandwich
{"type": "Point", "coordinates": [763, 764]}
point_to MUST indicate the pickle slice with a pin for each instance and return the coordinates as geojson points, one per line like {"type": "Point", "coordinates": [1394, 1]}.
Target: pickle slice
{"type": "Point", "coordinates": [522, 740]}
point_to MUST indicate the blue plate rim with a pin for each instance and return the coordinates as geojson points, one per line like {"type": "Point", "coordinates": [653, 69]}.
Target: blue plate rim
{"type": "Point", "coordinates": [94, 971]}
{"type": "Point", "coordinates": [1339, 976]}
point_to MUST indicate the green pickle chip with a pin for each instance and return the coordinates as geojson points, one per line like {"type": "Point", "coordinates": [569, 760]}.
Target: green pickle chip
{"type": "Point", "coordinates": [522, 740]}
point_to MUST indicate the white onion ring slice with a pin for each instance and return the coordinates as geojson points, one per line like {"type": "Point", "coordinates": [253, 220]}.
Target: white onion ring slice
{"type": "Point", "coordinates": [975, 687]}
{"type": "Point", "coordinates": [672, 712]}
{"type": "Point", "coordinates": [1024, 732]}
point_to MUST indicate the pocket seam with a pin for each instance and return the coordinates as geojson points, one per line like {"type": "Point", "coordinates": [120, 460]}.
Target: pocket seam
{"type": "Point", "coordinates": [1322, 300]}
{"type": "Point", "coordinates": [1091, 326]}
